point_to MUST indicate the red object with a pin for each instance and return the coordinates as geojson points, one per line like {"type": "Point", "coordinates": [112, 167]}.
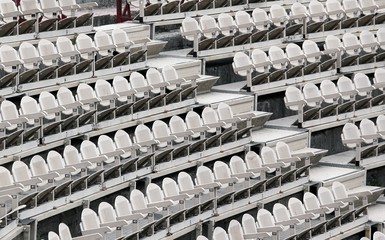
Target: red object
{"type": "Point", "coordinates": [125, 14]}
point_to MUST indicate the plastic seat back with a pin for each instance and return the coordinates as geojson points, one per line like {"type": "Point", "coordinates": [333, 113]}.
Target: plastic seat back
{"type": "Point", "coordinates": [193, 120]}
{"type": "Point", "coordinates": [122, 140]}
{"type": "Point", "coordinates": [5, 177]}
{"type": "Point", "coordinates": [350, 5]}
{"type": "Point", "coordinates": [268, 155]}
{"type": "Point", "coordinates": [296, 208]}
{"type": "Point", "coordinates": [120, 84]}
{"type": "Point", "coordinates": [64, 45]}
{"type": "Point", "coordinates": [122, 206]}
{"type": "Point", "coordinates": [20, 172]}
{"type": "Point", "coordinates": [153, 76]}
{"type": "Point", "coordinates": [362, 84]}
{"type": "Point", "coordinates": [160, 130]}
{"type": "Point", "coordinates": [235, 230]}
{"type": "Point", "coordinates": [310, 201]}
{"type": "Point", "coordinates": [346, 88]}
{"type": "Point", "coordinates": [154, 193]}
{"type": "Point", "coordinates": [329, 91]}
{"type": "Point", "coordinates": [64, 232]}
{"type": "Point", "coordinates": [102, 89]}
{"type": "Point", "coordinates": [277, 13]}
{"type": "Point", "coordinates": [89, 219]}
{"type": "Point", "coordinates": [316, 8]}
{"type": "Point", "coordinates": [311, 91]}
{"type": "Point", "coordinates": [137, 200]}
{"type": "Point", "coordinates": [106, 213]}
{"type": "Point", "coordinates": [293, 51]}
{"type": "Point", "coordinates": [276, 54]}
{"type": "Point", "coordinates": [170, 187]}
{"type": "Point", "coordinates": [310, 47]}
{"type": "Point", "coordinates": [206, 23]}
{"type": "Point", "coordinates": [137, 80]}
{"type": "Point", "coordinates": [185, 182]}
{"type": "Point", "coordinates": [28, 51]}
{"type": "Point", "coordinates": [169, 73]}
{"type": "Point", "coordinates": [260, 15]}
{"type": "Point", "coordinates": [102, 39]}
{"type": "Point", "coordinates": [204, 175]}
{"type": "Point", "coordinates": [258, 57]}
{"type": "Point", "coordinates": [332, 6]}
{"type": "Point", "coordinates": [85, 92]}
{"type": "Point", "coordinates": [241, 60]}
{"type": "Point", "coordinates": [225, 20]}
{"type": "Point", "coordinates": [106, 145]}
{"type": "Point", "coordinates": [325, 196]}
{"type": "Point", "coordinates": [64, 96]}
{"type": "Point", "coordinates": [120, 37]}
{"type": "Point", "coordinates": [339, 192]}
{"type": "Point", "coordinates": [190, 25]}
{"type": "Point", "coordinates": [83, 42]}
{"type": "Point", "coordinates": [220, 234]}
{"type": "Point", "coordinates": [253, 161]}
{"type": "Point", "coordinates": [55, 161]}
{"type": "Point", "coordinates": [350, 131]}
{"type": "Point", "coordinates": [367, 38]}
{"type": "Point", "coordinates": [293, 94]}
{"type": "Point", "coordinates": [281, 214]}
{"type": "Point", "coordinates": [71, 156]}
{"type": "Point", "coordinates": [243, 18]}
{"type": "Point", "coordinates": [221, 170]}
{"type": "Point", "coordinates": [265, 219]}
{"type": "Point", "coordinates": [48, 101]}
{"type": "Point", "coordinates": [29, 105]}
{"type": "Point", "coordinates": [39, 167]}
{"type": "Point", "coordinates": [248, 224]}
{"type": "Point", "coordinates": [47, 48]}
{"type": "Point", "coordinates": [351, 40]}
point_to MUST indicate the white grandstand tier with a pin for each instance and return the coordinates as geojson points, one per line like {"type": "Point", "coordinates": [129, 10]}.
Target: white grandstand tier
{"type": "Point", "coordinates": [103, 136]}
{"type": "Point", "coordinates": [270, 29]}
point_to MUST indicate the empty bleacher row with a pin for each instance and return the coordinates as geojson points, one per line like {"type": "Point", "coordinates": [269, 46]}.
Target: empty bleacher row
{"type": "Point", "coordinates": [164, 13]}
{"type": "Point", "coordinates": [365, 139]}
{"type": "Point", "coordinates": [317, 217]}
{"type": "Point", "coordinates": [177, 201]}
{"type": "Point", "coordinates": [329, 103]}
{"type": "Point", "coordinates": [31, 18]}
{"type": "Point", "coordinates": [64, 175]}
{"type": "Point", "coordinates": [66, 115]}
{"type": "Point", "coordinates": [376, 236]}
{"type": "Point", "coordinates": [298, 66]}
{"type": "Point", "coordinates": [262, 30]}
{"type": "Point", "coordinates": [27, 67]}
{"type": "Point", "coordinates": [123, 145]}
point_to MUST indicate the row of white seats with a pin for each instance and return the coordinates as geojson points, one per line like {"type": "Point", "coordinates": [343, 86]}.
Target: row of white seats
{"type": "Point", "coordinates": [313, 214]}
{"type": "Point", "coordinates": [65, 234]}
{"type": "Point", "coordinates": [63, 172]}
{"type": "Point", "coordinates": [310, 59]}
{"type": "Point", "coordinates": [377, 235]}
{"type": "Point", "coordinates": [55, 15]}
{"type": "Point", "coordinates": [176, 6]}
{"type": "Point", "coordinates": [69, 172]}
{"type": "Point", "coordinates": [280, 65]}
{"type": "Point", "coordinates": [333, 15]}
{"type": "Point", "coordinates": [95, 105]}
{"type": "Point", "coordinates": [257, 27]}
{"type": "Point", "coordinates": [29, 64]}
{"type": "Point", "coordinates": [170, 200]}
{"type": "Point", "coordinates": [229, 32]}
{"type": "Point", "coordinates": [368, 134]}
{"type": "Point", "coordinates": [331, 100]}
